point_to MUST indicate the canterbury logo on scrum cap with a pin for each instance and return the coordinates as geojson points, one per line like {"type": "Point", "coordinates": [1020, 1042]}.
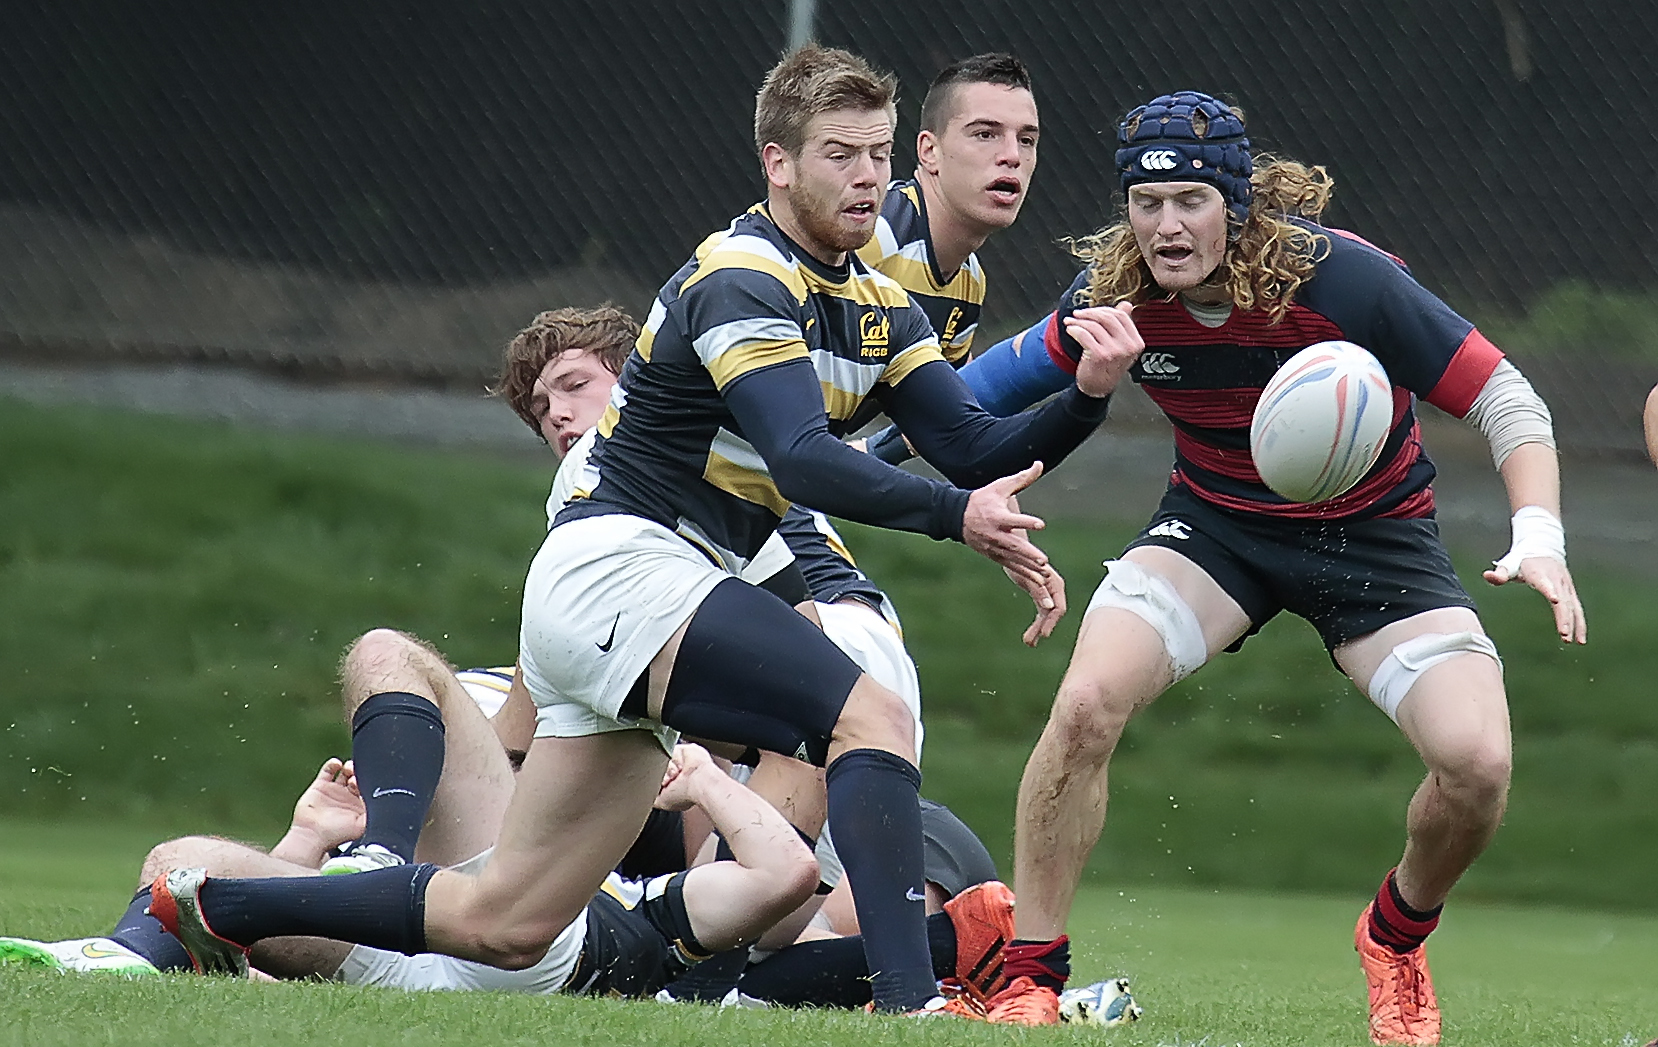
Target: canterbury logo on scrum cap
{"type": "Point", "coordinates": [1158, 160]}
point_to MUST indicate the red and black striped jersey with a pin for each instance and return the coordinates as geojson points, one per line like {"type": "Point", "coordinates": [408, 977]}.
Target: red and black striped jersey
{"type": "Point", "coordinates": [1207, 379]}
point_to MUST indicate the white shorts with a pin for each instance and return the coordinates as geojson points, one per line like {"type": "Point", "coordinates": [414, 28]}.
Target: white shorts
{"type": "Point", "coordinates": [488, 687]}
{"type": "Point", "coordinates": [603, 596]}
{"type": "Point", "coordinates": [869, 639]}
{"type": "Point", "coordinates": [431, 972]}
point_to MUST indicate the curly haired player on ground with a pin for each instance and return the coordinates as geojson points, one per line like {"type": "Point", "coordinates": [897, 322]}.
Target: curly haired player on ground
{"type": "Point", "coordinates": [769, 343]}
{"type": "Point", "coordinates": [1224, 272]}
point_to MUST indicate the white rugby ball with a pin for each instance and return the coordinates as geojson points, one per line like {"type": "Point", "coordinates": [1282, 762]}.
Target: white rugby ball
{"type": "Point", "coordinates": [1321, 422]}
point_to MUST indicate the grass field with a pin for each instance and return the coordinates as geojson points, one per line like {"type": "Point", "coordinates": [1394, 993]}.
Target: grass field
{"type": "Point", "coordinates": [1211, 967]}
{"type": "Point", "coordinates": [174, 595]}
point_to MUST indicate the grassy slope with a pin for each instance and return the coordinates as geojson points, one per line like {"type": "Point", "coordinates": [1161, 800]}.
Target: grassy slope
{"type": "Point", "coordinates": [1212, 967]}
{"type": "Point", "coordinates": [174, 595]}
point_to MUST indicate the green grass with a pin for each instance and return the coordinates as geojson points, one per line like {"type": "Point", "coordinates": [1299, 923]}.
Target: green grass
{"type": "Point", "coordinates": [1579, 319]}
{"type": "Point", "coordinates": [174, 597]}
{"type": "Point", "coordinates": [1211, 967]}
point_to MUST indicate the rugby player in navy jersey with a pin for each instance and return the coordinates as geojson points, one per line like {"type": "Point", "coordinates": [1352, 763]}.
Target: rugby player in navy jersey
{"type": "Point", "coordinates": [766, 347]}
{"type": "Point", "coordinates": [1225, 273]}
{"type": "Point", "coordinates": [975, 156]}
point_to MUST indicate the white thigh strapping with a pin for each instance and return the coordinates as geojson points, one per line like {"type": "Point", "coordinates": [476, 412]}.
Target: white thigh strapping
{"type": "Point", "coordinates": [603, 596]}
{"type": "Point", "coordinates": [866, 637]}
{"type": "Point", "coordinates": [1406, 663]}
{"type": "Point", "coordinates": [1132, 588]}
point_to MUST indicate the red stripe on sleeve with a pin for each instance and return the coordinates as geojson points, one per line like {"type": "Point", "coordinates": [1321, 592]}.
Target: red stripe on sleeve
{"type": "Point", "coordinates": [1056, 352]}
{"type": "Point", "coordinates": [1470, 368]}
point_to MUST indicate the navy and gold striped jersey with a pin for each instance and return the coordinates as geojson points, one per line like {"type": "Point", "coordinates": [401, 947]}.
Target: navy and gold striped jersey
{"type": "Point", "coordinates": [902, 248]}
{"type": "Point", "coordinates": [669, 448]}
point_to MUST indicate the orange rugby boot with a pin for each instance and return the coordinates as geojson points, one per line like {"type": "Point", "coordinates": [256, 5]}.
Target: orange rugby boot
{"type": "Point", "coordinates": [983, 919]}
{"type": "Point", "coordinates": [1403, 1008]}
{"type": "Point", "coordinates": [1023, 1002]}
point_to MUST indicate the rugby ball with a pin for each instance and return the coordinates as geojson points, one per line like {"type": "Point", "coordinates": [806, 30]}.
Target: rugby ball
{"type": "Point", "coordinates": [1321, 422]}
{"type": "Point", "coordinates": [1107, 1004]}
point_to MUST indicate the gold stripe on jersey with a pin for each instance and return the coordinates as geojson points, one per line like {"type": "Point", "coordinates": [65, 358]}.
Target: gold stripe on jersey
{"type": "Point", "coordinates": [608, 420]}
{"type": "Point", "coordinates": [736, 468]}
{"type": "Point", "coordinates": [647, 333]}
{"type": "Point", "coordinates": [751, 356]}
{"type": "Point", "coordinates": [902, 249]}
{"type": "Point", "coordinates": [741, 251]}
{"type": "Point", "coordinates": [866, 288]}
{"type": "Point", "coordinates": [917, 355]}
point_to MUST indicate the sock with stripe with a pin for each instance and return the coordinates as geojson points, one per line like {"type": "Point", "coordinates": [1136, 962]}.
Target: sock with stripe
{"type": "Point", "coordinates": [1395, 924]}
{"type": "Point", "coordinates": [1045, 963]}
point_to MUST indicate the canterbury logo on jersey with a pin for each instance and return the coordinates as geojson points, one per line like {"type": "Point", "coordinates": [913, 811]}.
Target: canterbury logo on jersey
{"type": "Point", "coordinates": [1171, 529]}
{"type": "Point", "coordinates": [874, 331]}
{"type": "Point", "coordinates": [1159, 364]}
{"type": "Point", "coordinates": [1158, 160]}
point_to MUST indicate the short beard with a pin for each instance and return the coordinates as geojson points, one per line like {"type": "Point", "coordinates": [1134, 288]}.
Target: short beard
{"type": "Point", "coordinates": [820, 222]}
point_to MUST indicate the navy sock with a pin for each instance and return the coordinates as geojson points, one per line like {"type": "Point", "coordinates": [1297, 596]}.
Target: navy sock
{"type": "Point", "coordinates": [397, 750]}
{"type": "Point", "coordinates": [383, 909]}
{"type": "Point", "coordinates": [832, 972]}
{"type": "Point", "coordinates": [875, 814]}
{"type": "Point", "coordinates": [144, 935]}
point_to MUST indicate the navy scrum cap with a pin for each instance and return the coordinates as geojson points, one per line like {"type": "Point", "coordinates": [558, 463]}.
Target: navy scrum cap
{"type": "Point", "coordinates": [1186, 137]}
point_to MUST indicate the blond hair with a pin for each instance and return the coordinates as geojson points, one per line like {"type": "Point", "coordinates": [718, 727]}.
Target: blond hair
{"type": "Point", "coordinates": [605, 331]}
{"type": "Point", "coordinates": [814, 80]}
{"type": "Point", "coordinates": [1267, 258]}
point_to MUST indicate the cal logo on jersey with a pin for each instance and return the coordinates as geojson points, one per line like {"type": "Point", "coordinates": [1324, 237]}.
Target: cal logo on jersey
{"type": "Point", "coordinates": [874, 333]}
{"type": "Point", "coordinates": [950, 324]}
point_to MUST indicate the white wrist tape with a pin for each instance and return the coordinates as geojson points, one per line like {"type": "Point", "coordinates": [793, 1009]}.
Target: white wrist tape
{"type": "Point", "coordinates": [1537, 532]}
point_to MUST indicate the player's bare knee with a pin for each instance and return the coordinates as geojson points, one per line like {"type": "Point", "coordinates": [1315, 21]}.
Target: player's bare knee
{"type": "Point", "coordinates": [1477, 774]}
{"type": "Point", "coordinates": [1088, 717]}
{"type": "Point", "coordinates": [173, 854]}
{"type": "Point", "coordinates": [514, 945]}
{"type": "Point", "coordinates": [874, 717]}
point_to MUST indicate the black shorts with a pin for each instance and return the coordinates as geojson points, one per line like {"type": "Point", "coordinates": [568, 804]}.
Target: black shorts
{"type": "Point", "coordinates": [632, 951]}
{"type": "Point", "coordinates": [1346, 577]}
{"type": "Point", "coordinates": [955, 857]}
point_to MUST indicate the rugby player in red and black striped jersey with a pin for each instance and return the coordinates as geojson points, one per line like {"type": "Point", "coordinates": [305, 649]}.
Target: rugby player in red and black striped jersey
{"type": "Point", "coordinates": [1224, 272]}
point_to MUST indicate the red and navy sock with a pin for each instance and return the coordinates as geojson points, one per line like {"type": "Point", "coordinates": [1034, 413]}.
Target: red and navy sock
{"type": "Point", "coordinates": [144, 935]}
{"type": "Point", "coordinates": [1395, 924]}
{"type": "Point", "coordinates": [1045, 963]}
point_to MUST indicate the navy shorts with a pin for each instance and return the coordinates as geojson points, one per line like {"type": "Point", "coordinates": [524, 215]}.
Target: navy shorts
{"type": "Point", "coordinates": [1346, 577]}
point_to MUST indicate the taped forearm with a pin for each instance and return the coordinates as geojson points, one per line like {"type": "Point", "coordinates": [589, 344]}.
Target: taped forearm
{"type": "Point", "coordinates": [1510, 413]}
{"type": "Point", "coordinates": [1015, 373]}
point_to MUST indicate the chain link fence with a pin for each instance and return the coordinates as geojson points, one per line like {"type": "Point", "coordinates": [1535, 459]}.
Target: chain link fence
{"type": "Point", "coordinates": [379, 189]}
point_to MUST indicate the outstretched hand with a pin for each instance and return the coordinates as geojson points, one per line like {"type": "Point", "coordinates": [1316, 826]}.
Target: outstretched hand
{"type": "Point", "coordinates": [994, 527]}
{"type": "Point", "coordinates": [1110, 345]}
{"type": "Point", "coordinates": [1551, 578]}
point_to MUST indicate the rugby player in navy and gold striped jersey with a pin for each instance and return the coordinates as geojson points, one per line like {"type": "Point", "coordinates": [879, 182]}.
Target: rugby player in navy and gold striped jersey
{"type": "Point", "coordinates": [758, 354]}
{"type": "Point", "coordinates": [975, 155]}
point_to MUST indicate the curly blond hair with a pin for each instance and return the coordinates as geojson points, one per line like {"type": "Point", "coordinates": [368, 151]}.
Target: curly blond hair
{"type": "Point", "coordinates": [1267, 258]}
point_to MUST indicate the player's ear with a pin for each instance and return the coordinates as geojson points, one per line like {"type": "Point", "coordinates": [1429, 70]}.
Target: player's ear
{"type": "Point", "coordinates": [778, 164]}
{"type": "Point", "coordinates": [926, 152]}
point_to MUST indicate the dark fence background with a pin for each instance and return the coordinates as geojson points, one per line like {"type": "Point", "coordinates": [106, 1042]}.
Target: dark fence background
{"type": "Point", "coordinates": [395, 188]}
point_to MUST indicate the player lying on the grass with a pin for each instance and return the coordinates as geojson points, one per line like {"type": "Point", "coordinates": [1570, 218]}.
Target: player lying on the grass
{"type": "Point", "coordinates": [635, 625]}
{"type": "Point", "coordinates": [1224, 271]}
{"type": "Point", "coordinates": [466, 799]}
{"type": "Point", "coordinates": [631, 939]}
